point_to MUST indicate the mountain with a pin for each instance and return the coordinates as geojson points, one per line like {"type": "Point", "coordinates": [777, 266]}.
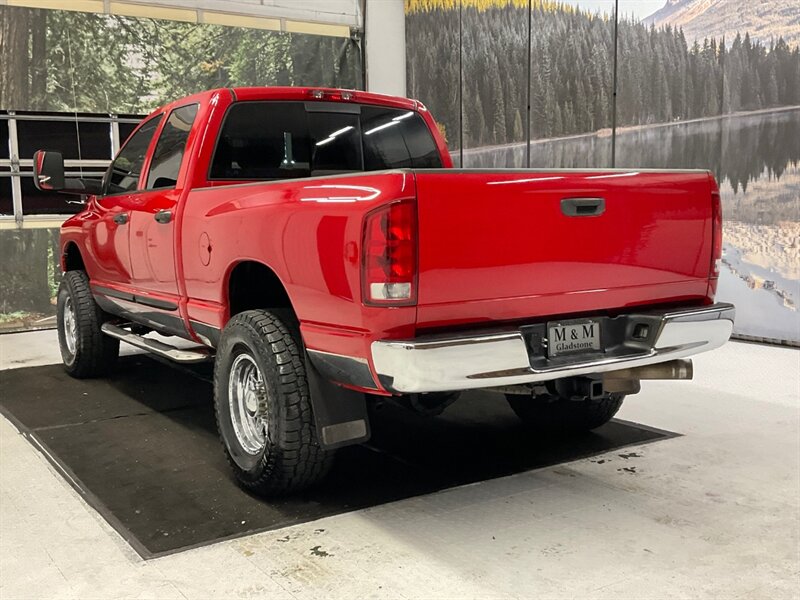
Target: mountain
{"type": "Point", "coordinates": [763, 19]}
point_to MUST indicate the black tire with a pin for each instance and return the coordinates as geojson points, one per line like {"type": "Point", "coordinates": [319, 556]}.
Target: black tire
{"type": "Point", "coordinates": [85, 350]}
{"type": "Point", "coordinates": [553, 415]}
{"type": "Point", "coordinates": [291, 458]}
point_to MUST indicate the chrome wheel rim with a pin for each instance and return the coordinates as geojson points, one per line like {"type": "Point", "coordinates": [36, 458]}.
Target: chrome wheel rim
{"type": "Point", "coordinates": [70, 326]}
{"type": "Point", "coordinates": [247, 398]}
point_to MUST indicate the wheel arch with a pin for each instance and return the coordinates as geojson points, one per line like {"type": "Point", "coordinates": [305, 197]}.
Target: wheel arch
{"type": "Point", "coordinates": [71, 258]}
{"type": "Point", "coordinates": [251, 284]}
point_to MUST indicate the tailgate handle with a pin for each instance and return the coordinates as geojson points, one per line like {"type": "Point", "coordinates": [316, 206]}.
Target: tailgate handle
{"type": "Point", "coordinates": [583, 207]}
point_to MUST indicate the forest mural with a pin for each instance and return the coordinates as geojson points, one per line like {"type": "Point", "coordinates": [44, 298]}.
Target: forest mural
{"type": "Point", "coordinates": [729, 103]}
{"type": "Point", "coordinates": [66, 61]}
{"type": "Point", "coordinates": [662, 77]}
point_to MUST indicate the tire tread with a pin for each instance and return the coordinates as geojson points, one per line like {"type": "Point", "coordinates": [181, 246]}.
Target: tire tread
{"type": "Point", "coordinates": [294, 461]}
{"type": "Point", "coordinates": [95, 352]}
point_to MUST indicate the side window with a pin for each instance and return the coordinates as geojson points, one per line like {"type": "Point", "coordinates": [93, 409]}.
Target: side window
{"type": "Point", "coordinates": [171, 145]}
{"type": "Point", "coordinates": [123, 174]}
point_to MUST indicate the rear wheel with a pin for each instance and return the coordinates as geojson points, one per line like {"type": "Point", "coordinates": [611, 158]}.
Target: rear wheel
{"type": "Point", "coordinates": [263, 406]}
{"type": "Point", "coordinates": [548, 414]}
{"type": "Point", "coordinates": [85, 349]}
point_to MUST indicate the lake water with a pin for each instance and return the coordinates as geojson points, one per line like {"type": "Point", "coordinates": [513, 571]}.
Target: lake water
{"type": "Point", "coordinates": [756, 159]}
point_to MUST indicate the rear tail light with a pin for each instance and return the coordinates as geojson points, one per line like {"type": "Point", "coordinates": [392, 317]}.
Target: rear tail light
{"type": "Point", "coordinates": [389, 267]}
{"type": "Point", "coordinates": [716, 236]}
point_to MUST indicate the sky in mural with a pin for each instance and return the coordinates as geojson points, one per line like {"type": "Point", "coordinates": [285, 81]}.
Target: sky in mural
{"type": "Point", "coordinates": [639, 9]}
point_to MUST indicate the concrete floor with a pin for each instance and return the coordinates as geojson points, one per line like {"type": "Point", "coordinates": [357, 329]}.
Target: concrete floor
{"type": "Point", "coordinates": [712, 514]}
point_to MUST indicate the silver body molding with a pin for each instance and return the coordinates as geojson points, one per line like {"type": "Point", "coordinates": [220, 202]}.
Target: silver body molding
{"type": "Point", "coordinates": [449, 363]}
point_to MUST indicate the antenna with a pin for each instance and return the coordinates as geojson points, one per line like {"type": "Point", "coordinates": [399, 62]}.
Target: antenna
{"type": "Point", "coordinates": [460, 86]}
{"type": "Point", "coordinates": [74, 103]}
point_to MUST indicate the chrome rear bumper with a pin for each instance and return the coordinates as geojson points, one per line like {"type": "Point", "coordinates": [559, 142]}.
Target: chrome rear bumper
{"type": "Point", "coordinates": [501, 358]}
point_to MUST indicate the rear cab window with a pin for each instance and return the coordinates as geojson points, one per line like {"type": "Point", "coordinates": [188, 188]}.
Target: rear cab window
{"type": "Point", "coordinates": [270, 140]}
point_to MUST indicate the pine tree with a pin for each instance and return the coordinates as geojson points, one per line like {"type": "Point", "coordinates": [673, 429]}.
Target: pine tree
{"type": "Point", "coordinates": [570, 126]}
{"type": "Point", "coordinates": [771, 89]}
{"type": "Point", "coordinates": [519, 133]}
{"type": "Point", "coordinates": [497, 101]}
{"type": "Point", "coordinates": [558, 122]}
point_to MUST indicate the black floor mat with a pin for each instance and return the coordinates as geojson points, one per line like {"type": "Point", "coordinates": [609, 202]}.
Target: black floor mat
{"type": "Point", "coordinates": [142, 448]}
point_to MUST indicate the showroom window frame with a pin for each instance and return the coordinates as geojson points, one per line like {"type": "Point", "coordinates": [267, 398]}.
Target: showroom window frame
{"type": "Point", "coordinates": [22, 168]}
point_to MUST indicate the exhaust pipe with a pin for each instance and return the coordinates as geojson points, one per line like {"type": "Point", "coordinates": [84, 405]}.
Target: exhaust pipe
{"type": "Point", "coordinates": [674, 369]}
{"type": "Point", "coordinates": [626, 381]}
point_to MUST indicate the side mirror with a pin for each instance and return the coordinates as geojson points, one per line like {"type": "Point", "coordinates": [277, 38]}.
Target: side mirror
{"type": "Point", "coordinates": [48, 176]}
{"type": "Point", "coordinates": [48, 171]}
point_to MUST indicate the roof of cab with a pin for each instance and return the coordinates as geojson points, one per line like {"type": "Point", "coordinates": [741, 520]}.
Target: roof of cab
{"type": "Point", "coordinates": [328, 95]}
{"type": "Point", "coordinates": [310, 94]}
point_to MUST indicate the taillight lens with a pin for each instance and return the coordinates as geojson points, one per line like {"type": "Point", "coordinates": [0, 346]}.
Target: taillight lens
{"type": "Point", "coordinates": [389, 266]}
{"type": "Point", "coordinates": [716, 244]}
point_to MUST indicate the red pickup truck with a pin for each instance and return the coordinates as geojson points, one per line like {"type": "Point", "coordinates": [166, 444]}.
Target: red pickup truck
{"type": "Point", "coordinates": [318, 246]}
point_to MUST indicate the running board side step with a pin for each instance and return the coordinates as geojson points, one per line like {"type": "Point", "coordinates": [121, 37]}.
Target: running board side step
{"type": "Point", "coordinates": [180, 355]}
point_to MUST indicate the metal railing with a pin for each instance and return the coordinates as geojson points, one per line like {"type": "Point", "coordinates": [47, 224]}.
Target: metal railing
{"type": "Point", "coordinates": [16, 167]}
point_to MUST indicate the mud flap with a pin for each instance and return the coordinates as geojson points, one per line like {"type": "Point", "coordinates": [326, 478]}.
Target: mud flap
{"type": "Point", "coordinates": [340, 415]}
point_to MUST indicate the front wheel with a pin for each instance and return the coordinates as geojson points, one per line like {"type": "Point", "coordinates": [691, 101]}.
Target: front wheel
{"type": "Point", "coordinates": [85, 349]}
{"type": "Point", "coordinates": [263, 406]}
{"type": "Point", "coordinates": [547, 414]}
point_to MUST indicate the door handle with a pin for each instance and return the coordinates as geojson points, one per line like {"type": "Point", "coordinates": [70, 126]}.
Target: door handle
{"type": "Point", "coordinates": [583, 207]}
{"type": "Point", "coordinates": [121, 218]}
{"type": "Point", "coordinates": [163, 216]}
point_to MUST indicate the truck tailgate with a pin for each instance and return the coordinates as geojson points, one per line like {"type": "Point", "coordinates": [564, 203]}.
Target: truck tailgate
{"type": "Point", "coordinates": [510, 245]}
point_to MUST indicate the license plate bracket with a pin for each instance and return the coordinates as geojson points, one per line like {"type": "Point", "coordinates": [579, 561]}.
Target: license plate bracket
{"type": "Point", "coordinates": [578, 336]}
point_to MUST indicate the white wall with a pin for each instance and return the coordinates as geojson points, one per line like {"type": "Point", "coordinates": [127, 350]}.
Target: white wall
{"type": "Point", "coordinates": [386, 47]}
{"type": "Point", "coordinates": [340, 12]}
{"type": "Point", "coordinates": [335, 17]}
